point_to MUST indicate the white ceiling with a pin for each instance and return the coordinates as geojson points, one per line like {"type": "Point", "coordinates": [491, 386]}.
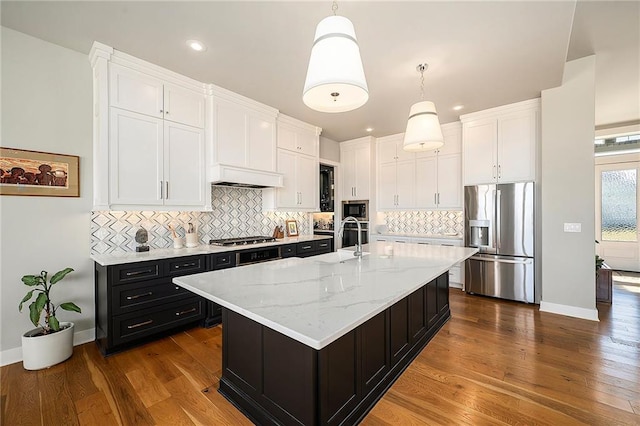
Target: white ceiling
{"type": "Point", "coordinates": [480, 54]}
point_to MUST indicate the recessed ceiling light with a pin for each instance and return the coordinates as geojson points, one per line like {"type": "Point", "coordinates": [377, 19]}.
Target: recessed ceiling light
{"type": "Point", "coordinates": [458, 107]}
{"type": "Point", "coordinates": [369, 129]}
{"type": "Point", "coordinates": [196, 45]}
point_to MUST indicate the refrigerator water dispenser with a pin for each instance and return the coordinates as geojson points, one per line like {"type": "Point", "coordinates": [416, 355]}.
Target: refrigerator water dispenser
{"type": "Point", "coordinates": [479, 230]}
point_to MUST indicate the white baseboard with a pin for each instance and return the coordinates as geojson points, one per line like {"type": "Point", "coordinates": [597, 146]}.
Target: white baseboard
{"type": "Point", "coordinates": [569, 311]}
{"type": "Point", "coordinates": [10, 356]}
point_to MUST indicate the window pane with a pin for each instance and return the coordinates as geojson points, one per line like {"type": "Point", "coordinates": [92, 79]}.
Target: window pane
{"type": "Point", "coordinates": [619, 215]}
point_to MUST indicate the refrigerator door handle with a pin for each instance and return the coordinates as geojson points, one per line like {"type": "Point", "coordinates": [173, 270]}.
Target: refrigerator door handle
{"type": "Point", "coordinates": [498, 217]}
{"type": "Point", "coordinates": [527, 261]}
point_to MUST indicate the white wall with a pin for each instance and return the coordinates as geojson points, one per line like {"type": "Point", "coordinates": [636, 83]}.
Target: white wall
{"type": "Point", "coordinates": [46, 106]}
{"type": "Point", "coordinates": [568, 193]}
{"type": "Point", "coordinates": [329, 149]}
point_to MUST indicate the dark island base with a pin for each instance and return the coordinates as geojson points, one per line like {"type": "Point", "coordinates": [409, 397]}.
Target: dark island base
{"type": "Point", "coordinates": [274, 379]}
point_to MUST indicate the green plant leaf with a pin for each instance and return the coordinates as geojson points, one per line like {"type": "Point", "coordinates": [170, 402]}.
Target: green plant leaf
{"type": "Point", "coordinates": [60, 275]}
{"type": "Point", "coordinates": [41, 301]}
{"type": "Point", "coordinates": [34, 314]}
{"type": "Point", "coordinates": [31, 280]}
{"type": "Point", "coordinates": [70, 306]}
{"type": "Point", "coordinates": [54, 324]}
{"type": "Point", "coordinates": [24, 299]}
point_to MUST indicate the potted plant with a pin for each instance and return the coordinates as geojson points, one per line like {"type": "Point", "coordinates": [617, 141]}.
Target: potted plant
{"type": "Point", "coordinates": [50, 342]}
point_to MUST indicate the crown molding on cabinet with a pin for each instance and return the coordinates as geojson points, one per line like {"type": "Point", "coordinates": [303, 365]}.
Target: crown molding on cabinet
{"type": "Point", "coordinates": [501, 110]}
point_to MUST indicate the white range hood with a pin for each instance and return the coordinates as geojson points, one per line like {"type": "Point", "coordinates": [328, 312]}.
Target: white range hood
{"type": "Point", "coordinates": [224, 175]}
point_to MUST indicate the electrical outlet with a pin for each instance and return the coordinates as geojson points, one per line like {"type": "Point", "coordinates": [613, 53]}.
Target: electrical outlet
{"type": "Point", "coordinates": [572, 227]}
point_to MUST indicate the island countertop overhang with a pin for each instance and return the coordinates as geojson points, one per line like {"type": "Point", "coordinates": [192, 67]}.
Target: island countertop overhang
{"type": "Point", "coordinates": [318, 299]}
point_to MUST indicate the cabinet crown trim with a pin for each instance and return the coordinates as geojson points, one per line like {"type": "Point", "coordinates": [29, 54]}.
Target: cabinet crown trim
{"type": "Point", "coordinates": [99, 50]}
{"type": "Point", "coordinates": [294, 122]}
{"type": "Point", "coordinates": [357, 142]}
{"type": "Point", "coordinates": [501, 110]}
{"type": "Point", "coordinates": [228, 95]}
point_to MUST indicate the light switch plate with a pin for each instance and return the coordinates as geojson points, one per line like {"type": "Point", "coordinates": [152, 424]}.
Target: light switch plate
{"type": "Point", "coordinates": [572, 227]}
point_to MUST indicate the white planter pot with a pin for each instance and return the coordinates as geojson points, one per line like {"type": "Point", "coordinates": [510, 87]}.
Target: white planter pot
{"type": "Point", "coordinates": [44, 351]}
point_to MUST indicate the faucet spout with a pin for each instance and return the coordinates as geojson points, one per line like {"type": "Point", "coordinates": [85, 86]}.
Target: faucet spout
{"type": "Point", "coordinates": [358, 251]}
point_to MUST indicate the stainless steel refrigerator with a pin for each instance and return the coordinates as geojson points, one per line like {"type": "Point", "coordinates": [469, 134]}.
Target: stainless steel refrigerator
{"type": "Point", "coordinates": [499, 220]}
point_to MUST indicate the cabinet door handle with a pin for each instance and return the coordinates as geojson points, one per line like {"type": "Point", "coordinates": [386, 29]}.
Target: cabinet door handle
{"type": "Point", "coordinates": [161, 110]}
{"type": "Point", "coordinates": [161, 191]}
{"type": "Point", "coordinates": [134, 273]}
{"type": "Point", "coordinates": [185, 312]}
{"type": "Point", "coordinates": [184, 265]}
{"type": "Point", "coordinates": [166, 112]}
{"type": "Point", "coordinates": [438, 198]}
{"type": "Point", "coordinates": [137, 296]}
{"type": "Point", "coordinates": [306, 247]}
{"type": "Point", "coordinates": [494, 171]}
{"type": "Point", "coordinates": [324, 245]}
{"type": "Point", "coordinates": [140, 324]}
{"type": "Point", "coordinates": [166, 184]}
{"type": "Point", "coordinates": [435, 198]}
{"type": "Point", "coordinates": [499, 171]}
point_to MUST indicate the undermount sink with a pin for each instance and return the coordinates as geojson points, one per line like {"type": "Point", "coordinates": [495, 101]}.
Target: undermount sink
{"type": "Point", "coordinates": [340, 256]}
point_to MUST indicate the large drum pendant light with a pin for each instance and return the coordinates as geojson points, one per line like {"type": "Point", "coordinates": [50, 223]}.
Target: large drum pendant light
{"type": "Point", "coordinates": [423, 128]}
{"type": "Point", "coordinates": [335, 78]}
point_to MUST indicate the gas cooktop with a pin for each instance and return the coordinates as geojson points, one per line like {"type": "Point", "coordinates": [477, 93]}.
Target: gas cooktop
{"type": "Point", "coordinates": [241, 241]}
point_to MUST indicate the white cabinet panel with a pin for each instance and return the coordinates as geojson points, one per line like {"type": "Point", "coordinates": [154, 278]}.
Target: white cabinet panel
{"type": "Point", "coordinates": [183, 106]}
{"type": "Point", "coordinates": [260, 144]}
{"type": "Point", "coordinates": [287, 196]}
{"type": "Point", "coordinates": [405, 184]}
{"type": "Point", "coordinates": [356, 164]}
{"type": "Point", "coordinates": [449, 181]}
{"type": "Point", "coordinates": [300, 190]}
{"type": "Point", "coordinates": [183, 165]}
{"type": "Point", "coordinates": [136, 158]}
{"type": "Point", "coordinates": [386, 151]}
{"type": "Point", "coordinates": [516, 147]}
{"type": "Point", "coordinates": [230, 131]}
{"type": "Point", "coordinates": [307, 174]}
{"type": "Point", "coordinates": [387, 186]}
{"type": "Point", "coordinates": [135, 91]}
{"type": "Point", "coordinates": [426, 182]}
{"type": "Point", "coordinates": [480, 152]}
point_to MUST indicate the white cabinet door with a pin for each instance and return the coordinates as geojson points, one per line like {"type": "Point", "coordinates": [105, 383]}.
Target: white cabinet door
{"type": "Point", "coordinates": [452, 139]}
{"type": "Point", "coordinates": [287, 196]}
{"type": "Point", "coordinates": [387, 186]}
{"type": "Point", "coordinates": [135, 91]}
{"type": "Point", "coordinates": [386, 151]}
{"type": "Point", "coordinates": [136, 158]}
{"type": "Point", "coordinates": [426, 182]}
{"type": "Point", "coordinates": [307, 173]}
{"type": "Point", "coordinates": [348, 160]}
{"type": "Point", "coordinates": [308, 143]}
{"type": "Point", "coordinates": [363, 174]}
{"type": "Point", "coordinates": [450, 181]}
{"type": "Point", "coordinates": [183, 106]}
{"type": "Point", "coordinates": [480, 150]}
{"type": "Point", "coordinates": [230, 134]}
{"type": "Point", "coordinates": [286, 138]}
{"type": "Point", "coordinates": [405, 184]}
{"type": "Point", "coordinates": [184, 166]}
{"type": "Point", "coordinates": [260, 143]}
{"type": "Point", "coordinates": [297, 140]}
{"type": "Point", "coordinates": [517, 147]}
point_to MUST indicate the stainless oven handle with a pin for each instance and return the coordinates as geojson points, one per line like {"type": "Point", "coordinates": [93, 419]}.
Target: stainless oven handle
{"type": "Point", "coordinates": [489, 259]}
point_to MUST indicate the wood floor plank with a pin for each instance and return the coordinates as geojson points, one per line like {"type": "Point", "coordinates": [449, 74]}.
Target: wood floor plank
{"type": "Point", "coordinates": [495, 362]}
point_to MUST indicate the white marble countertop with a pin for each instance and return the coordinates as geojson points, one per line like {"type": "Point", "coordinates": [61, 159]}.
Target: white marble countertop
{"type": "Point", "coordinates": [431, 236]}
{"type": "Point", "coordinates": [167, 253]}
{"type": "Point", "coordinates": [318, 299]}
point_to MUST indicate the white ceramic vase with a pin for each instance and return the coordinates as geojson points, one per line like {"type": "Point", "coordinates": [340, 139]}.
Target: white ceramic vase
{"type": "Point", "coordinates": [44, 351]}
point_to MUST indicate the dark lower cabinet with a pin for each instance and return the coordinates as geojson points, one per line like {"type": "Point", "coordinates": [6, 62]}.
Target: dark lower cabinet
{"type": "Point", "coordinates": [274, 379]}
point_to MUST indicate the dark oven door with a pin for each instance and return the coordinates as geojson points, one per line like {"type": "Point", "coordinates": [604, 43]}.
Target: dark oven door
{"type": "Point", "coordinates": [350, 234]}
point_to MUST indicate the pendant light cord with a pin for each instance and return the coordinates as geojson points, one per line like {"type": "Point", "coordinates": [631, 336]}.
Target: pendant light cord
{"type": "Point", "coordinates": [422, 84]}
{"type": "Point", "coordinates": [334, 7]}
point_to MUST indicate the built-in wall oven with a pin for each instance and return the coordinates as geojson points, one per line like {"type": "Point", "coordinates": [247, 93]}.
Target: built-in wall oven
{"type": "Point", "coordinates": [358, 209]}
{"type": "Point", "coordinates": [350, 234]}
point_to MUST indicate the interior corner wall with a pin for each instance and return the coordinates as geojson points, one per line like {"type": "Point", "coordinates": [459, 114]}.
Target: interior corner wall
{"type": "Point", "coordinates": [46, 106]}
{"type": "Point", "coordinates": [329, 149]}
{"type": "Point", "coordinates": [568, 193]}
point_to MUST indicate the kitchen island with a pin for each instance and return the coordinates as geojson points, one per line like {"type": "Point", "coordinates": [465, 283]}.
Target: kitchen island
{"type": "Point", "coordinates": [319, 340]}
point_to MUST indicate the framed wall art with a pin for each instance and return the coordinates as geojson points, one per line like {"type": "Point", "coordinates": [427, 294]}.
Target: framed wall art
{"type": "Point", "coordinates": [38, 173]}
{"type": "Point", "coordinates": [292, 228]}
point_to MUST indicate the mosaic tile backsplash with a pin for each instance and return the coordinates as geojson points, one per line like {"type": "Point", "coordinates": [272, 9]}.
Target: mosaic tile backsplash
{"type": "Point", "coordinates": [236, 212]}
{"type": "Point", "coordinates": [425, 222]}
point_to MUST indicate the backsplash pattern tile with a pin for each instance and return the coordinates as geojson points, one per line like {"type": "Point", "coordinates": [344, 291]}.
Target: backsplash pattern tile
{"type": "Point", "coordinates": [425, 222]}
{"type": "Point", "coordinates": [236, 212]}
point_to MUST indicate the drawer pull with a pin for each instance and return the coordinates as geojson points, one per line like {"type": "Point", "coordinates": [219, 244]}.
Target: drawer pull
{"type": "Point", "coordinates": [136, 296]}
{"type": "Point", "coordinates": [306, 247]}
{"type": "Point", "coordinates": [188, 311]}
{"type": "Point", "coordinates": [185, 265]}
{"type": "Point", "coordinates": [447, 245]}
{"type": "Point", "coordinates": [134, 273]}
{"type": "Point", "coordinates": [324, 245]}
{"type": "Point", "coordinates": [140, 324]}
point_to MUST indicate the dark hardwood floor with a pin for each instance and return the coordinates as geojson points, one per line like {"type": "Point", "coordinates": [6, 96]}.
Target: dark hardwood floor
{"type": "Point", "coordinates": [494, 362]}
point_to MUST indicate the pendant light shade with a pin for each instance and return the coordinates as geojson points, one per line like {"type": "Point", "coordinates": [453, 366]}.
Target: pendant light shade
{"type": "Point", "coordinates": [335, 78]}
{"type": "Point", "coordinates": [423, 128]}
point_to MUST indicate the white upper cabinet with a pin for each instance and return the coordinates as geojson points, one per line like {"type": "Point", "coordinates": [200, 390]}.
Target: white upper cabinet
{"type": "Point", "coordinates": [355, 158]}
{"type": "Point", "coordinates": [297, 160]}
{"type": "Point", "coordinates": [149, 145]}
{"type": "Point", "coordinates": [244, 132]}
{"type": "Point", "coordinates": [139, 92]}
{"type": "Point", "coordinates": [396, 174]}
{"type": "Point", "coordinates": [500, 144]}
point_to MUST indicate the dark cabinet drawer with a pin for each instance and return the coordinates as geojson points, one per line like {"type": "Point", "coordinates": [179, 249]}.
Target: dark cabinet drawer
{"type": "Point", "coordinates": [136, 272]}
{"type": "Point", "coordinates": [147, 294]}
{"type": "Point", "coordinates": [288, 250]}
{"type": "Point", "coordinates": [305, 249]}
{"type": "Point", "coordinates": [221, 261]}
{"type": "Point", "coordinates": [324, 246]}
{"type": "Point", "coordinates": [145, 323]}
{"type": "Point", "coordinates": [185, 265]}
